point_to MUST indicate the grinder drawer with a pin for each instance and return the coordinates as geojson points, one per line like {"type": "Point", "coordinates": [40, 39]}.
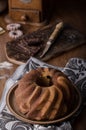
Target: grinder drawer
{"type": "Point", "coordinates": [26, 15]}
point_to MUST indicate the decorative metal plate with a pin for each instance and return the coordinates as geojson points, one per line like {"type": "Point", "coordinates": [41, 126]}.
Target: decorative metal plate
{"type": "Point", "coordinates": [26, 1]}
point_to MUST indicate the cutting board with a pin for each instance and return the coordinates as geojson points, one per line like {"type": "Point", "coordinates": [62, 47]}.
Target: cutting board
{"type": "Point", "coordinates": [68, 39]}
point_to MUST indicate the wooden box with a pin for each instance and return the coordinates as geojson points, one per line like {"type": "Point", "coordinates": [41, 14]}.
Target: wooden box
{"type": "Point", "coordinates": [28, 10]}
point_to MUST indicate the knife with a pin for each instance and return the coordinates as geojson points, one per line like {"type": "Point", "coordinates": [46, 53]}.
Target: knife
{"type": "Point", "coordinates": [52, 38]}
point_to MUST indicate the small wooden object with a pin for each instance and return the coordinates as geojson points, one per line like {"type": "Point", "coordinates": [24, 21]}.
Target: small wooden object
{"type": "Point", "coordinates": [32, 11]}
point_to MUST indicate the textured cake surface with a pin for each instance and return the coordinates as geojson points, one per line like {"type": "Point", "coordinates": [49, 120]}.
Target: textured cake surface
{"type": "Point", "coordinates": [44, 94]}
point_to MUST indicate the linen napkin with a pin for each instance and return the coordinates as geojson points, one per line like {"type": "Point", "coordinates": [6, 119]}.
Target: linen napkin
{"type": "Point", "coordinates": [75, 69]}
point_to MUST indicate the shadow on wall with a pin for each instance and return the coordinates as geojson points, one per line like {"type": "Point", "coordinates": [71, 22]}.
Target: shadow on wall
{"type": "Point", "coordinates": [48, 6]}
{"type": "Point", "coordinates": [56, 7]}
{"type": "Point", "coordinates": [69, 5]}
{"type": "Point", "coordinates": [3, 5]}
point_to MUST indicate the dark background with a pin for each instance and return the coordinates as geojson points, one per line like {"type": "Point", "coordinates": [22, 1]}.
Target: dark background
{"type": "Point", "coordinates": [71, 11]}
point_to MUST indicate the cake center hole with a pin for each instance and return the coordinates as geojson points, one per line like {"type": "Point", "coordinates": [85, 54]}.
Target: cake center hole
{"type": "Point", "coordinates": [44, 81]}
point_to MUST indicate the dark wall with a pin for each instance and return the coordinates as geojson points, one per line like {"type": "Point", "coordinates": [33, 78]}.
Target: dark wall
{"type": "Point", "coordinates": [71, 11]}
{"type": "Point", "coordinates": [64, 6]}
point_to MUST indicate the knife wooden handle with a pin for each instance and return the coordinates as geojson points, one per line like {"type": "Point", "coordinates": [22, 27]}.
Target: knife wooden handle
{"type": "Point", "coordinates": [56, 31]}
{"type": "Point", "coordinates": [52, 37]}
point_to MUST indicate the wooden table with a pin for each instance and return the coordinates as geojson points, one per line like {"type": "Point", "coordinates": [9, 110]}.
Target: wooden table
{"type": "Point", "coordinates": [76, 19]}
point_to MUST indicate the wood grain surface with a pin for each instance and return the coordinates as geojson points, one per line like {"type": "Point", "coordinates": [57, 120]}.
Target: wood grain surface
{"type": "Point", "coordinates": [72, 12]}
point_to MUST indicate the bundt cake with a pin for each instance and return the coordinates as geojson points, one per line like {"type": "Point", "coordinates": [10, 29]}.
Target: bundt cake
{"type": "Point", "coordinates": [44, 94]}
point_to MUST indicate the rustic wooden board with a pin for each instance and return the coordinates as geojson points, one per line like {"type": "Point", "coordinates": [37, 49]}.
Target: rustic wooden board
{"type": "Point", "coordinates": [68, 39]}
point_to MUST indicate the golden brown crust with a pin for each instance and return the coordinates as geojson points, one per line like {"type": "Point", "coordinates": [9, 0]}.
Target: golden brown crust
{"type": "Point", "coordinates": [44, 94]}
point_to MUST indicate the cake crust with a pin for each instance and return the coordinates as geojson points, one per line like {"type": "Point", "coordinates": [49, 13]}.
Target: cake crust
{"type": "Point", "coordinates": [44, 94]}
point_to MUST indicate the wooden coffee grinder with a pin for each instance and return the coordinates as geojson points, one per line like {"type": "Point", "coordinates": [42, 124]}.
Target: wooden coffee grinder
{"type": "Point", "coordinates": [29, 11]}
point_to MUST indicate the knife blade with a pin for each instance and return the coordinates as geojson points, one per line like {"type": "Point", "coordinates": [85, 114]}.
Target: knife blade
{"type": "Point", "coordinates": [52, 38]}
